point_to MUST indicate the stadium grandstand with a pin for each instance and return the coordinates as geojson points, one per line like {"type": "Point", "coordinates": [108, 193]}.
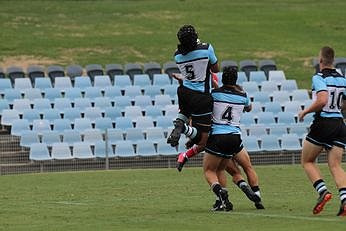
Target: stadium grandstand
{"type": "Point", "coordinates": [59, 118]}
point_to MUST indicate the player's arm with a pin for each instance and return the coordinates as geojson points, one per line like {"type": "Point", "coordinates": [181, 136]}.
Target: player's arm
{"type": "Point", "coordinates": [248, 108]}
{"type": "Point", "coordinates": [178, 77]}
{"type": "Point", "coordinates": [317, 105]}
{"type": "Point", "coordinates": [214, 66]}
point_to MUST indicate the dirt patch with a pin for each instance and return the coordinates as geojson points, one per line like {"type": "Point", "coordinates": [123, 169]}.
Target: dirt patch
{"type": "Point", "coordinates": [268, 54]}
{"type": "Point", "coordinates": [25, 60]}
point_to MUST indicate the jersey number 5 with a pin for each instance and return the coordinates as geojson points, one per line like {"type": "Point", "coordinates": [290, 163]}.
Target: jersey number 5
{"type": "Point", "coordinates": [189, 72]}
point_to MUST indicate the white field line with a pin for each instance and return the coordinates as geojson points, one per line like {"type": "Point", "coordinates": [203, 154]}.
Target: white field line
{"type": "Point", "coordinates": [316, 218]}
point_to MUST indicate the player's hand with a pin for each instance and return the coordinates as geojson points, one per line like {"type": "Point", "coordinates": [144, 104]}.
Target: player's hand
{"type": "Point", "coordinates": [177, 76]}
{"type": "Point", "coordinates": [301, 115]}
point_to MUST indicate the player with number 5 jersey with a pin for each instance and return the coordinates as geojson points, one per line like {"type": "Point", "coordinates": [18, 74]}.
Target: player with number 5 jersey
{"type": "Point", "coordinates": [195, 61]}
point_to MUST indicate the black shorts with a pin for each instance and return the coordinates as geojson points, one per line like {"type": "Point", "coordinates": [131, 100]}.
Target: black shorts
{"type": "Point", "coordinates": [224, 145]}
{"type": "Point", "coordinates": [197, 105]}
{"type": "Point", "coordinates": [327, 132]}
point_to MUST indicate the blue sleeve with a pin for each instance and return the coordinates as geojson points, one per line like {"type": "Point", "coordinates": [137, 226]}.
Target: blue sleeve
{"type": "Point", "coordinates": [318, 84]}
{"type": "Point", "coordinates": [212, 56]}
{"type": "Point", "coordinates": [247, 101]}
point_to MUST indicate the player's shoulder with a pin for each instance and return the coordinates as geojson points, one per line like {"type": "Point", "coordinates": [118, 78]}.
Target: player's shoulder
{"type": "Point", "coordinates": [203, 46]}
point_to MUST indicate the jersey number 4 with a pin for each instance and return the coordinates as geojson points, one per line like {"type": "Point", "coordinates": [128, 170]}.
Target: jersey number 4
{"type": "Point", "coordinates": [227, 114]}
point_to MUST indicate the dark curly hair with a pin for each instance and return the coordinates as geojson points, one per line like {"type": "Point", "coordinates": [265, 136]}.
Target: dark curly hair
{"type": "Point", "coordinates": [187, 36]}
{"type": "Point", "coordinates": [229, 76]}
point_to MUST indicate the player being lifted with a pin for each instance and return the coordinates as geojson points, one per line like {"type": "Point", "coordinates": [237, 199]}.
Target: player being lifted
{"type": "Point", "coordinates": [225, 145]}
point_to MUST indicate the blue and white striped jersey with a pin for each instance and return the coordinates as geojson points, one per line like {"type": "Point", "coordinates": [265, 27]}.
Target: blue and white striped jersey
{"type": "Point", "coordinates": [333, 82]}
{"type": "Point", "coordinates": [228, 109]}
{"type": "Point", "coordinates": [195, 67]}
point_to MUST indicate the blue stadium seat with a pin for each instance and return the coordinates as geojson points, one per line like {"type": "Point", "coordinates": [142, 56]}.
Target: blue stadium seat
{"type": "Point", "coordinates": [145, 148]}
{"type": "Point", "coordinates": [280, 96]}
{"type": "Point", "coordinates": [289, 85]}
{"type": "Point", "coordinates": [19, 126]}
{"type": "Point", "coordinates": [248, 118]}
{"type": "Point", "coordinates": [257, 130]}
{"type": "Point", "coordinates": [4, 104]}
{"type": "Point", "coordinates": [153, 111]}
{"type": "Point", "coordinates": [82, 103]}
{"type": "Point", "coordinates": [228, 63]}
{"type": "Point", "coordinates": [82, 150]}
{"type": "Point", "coordinates": [292, 106]}
{"type": "Point", "coordinates": [300, 95]}
{"type": "Point", "coordinates": [161, 79]}
{"type": "Point", "coordinates": [251, 143]}
{"type": "Point", "coordinates": [170, 67]}
{"type": "Point", "coordinates": [142, 100]}
{"type": "Point", "coordinates": [35, 71]}
{"type": "Point", "coordinates": [153, 90]}
{"type": "Point", "coordinates": [122, 101]}
{"type": "Point", "coordinates": [70, 136]}
{"type": "Point", "coordinates": [29, 137]}
{"type": "Point", "coordinates": [290, 142]}
{"type": "Point", "coordinates": [114, 69]}
{"type": "Point", "coordinates": [170, 90]}
{"type": "Point", "coordinates": [92, 136]}
{"type": "Point", "coordinates": [270, 143]}
{"type": "Point", "coordinates": [276, 76]}
{"type": "Point", "coordinates": [274, 107]}
{"type": "Point", "coordinates": [22, 83]}
{"type": "Point", "coordinates": [286, 118]}
{"type": "Point", "coordinates": [269, 86]}
{"type": "Point", "coordinates": [71, 113]}
{"type": "Point", "coordinates": [266, 118]}
{"type": "Point", "coordinates": [92, 113]}
{"type": "Point", "coordinates": [73, 93]}
{"type": "Point", "coordinates": [100, 150]}
{"type": "Point", "coordinates": [82, 82]}
{"type": "Point", "coordinates": [154, 134]}
{"type": "Point", "coordinates": [114, 135]}
{"type": "Point", "coordinates": [43, 83]}
{"type": "Point", "coordinates": [299, 129]}
{"type": "Point", "coordinates": [141, 80]}
{"type": "Point", "coordinates": [62, 104]}
{"type": "Point", "coordinates": [112, 91]}
{"type": "Point", "coordinates": [102, 102]}
{"type": "Point", "coordinates": [8, 116]}
{"type": "Point", "coordinates": [11, 94]}
{"type": "Point", "coordinates": [132, 91]}
{"type": "Point", "coordinates": [62, 83]}
{"type": "Point", "coordinates": [39, 151]}
{"type": "Point", "coordinates": [112, 112]}
{"type": "Point", "coordinates": [144, 122]}
{"type": "Point", "coordinates": [21, 104]}
{"type": "Point", "coordinates": [92, 92]}
{"type": "Point", "coordinates": [31, 115]}
{"type": "Point", "coordinates": [50, 137]}
{"type": "Point", "coordinates": [61, 151]}
{"type": "Point", "coordinates": [123, 123]}
{"type": "Point", "coordinates": [134, 134]}
{"type": "Point", "coordinates": [103, 123]}
{"type": "Point", "coordinates": [93, 70]}
{"type": "Point", "coordinates": [165, 149]}
{"type": "Point", "coordinates": [278, 129]}
{"type": "Point", "coordinates": [257, 76]}
{"type": "Point", "coordinates": [164, 122]}
{"type": "Point", "coordinates": [250, 87]}
{"type": "Point", "coordinates": [61, 125]}
{"type": "Point", "coordinates": [122, 81]}
{"type": "Point", "coordinates": [162, 100]}
{"type": "Point", "coordinates": [81, 124]}
{"type": "Point", "coordinates": [5, 84]}
{"type": "Point", "coordinates": [102, 81]}
{"type": "Point", "coordinates": [32, 93]}
{"type": "Point", "coordinates": [260, 96]}
{"type": "Point", "coordinates": [170, 110]}
{"type": "Point", "coordinates": [41, 125]}
{"type": "Point", "coordinates": [124, 149]}
{"type": "Point", "coordinates": [52, 94]}
{"type": "Point", "coordinates": [133, 112]}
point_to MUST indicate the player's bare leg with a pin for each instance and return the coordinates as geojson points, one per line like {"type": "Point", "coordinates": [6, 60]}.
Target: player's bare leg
{"type": "Point", "coordinates": [309, 154]}
{"type": "Point", "coordinates": [339, 176]}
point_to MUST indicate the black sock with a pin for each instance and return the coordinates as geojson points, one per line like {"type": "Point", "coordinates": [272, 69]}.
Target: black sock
{"type": "Point", "coordinates": [255, 188]}
{"type": "Point", "coordinates": [216, 187]}
{"type": "Point", "coordinates": [241, 182]}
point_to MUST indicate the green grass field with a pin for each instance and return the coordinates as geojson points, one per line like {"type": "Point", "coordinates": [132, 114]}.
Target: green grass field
{"type": "Point", "coordinates": [65, 32]}
{"type": "Point", "coordinates": [160, 199]}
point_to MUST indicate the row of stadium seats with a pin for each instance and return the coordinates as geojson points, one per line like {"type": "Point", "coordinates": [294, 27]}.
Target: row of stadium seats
{"type": "Point", "coordinates": [91, 70]}
{"type": "Point", "coordinates": [126, 148]}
